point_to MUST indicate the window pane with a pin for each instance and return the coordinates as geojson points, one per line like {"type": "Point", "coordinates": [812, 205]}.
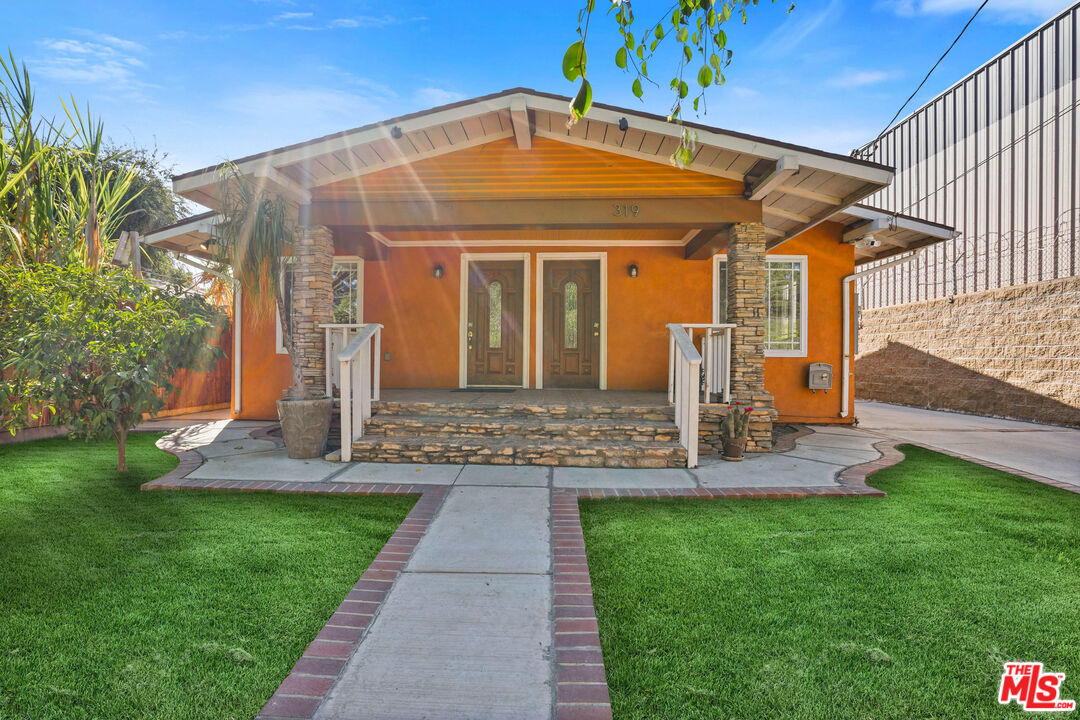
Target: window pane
{"type": "Point", "coordinates": [495, 315]}
{"type": "Point", "coordinates": [721, 292]}
{"type": "Point", "coordinates": [345, 286]}
{"type": "Point", "coordinates": [783, 299]}
{"type": "Point", "coordinates": [570, 315]}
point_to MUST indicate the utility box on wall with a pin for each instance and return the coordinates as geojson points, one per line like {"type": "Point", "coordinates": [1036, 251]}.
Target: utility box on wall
{"type": "Point", "coordinates": [820, 377]}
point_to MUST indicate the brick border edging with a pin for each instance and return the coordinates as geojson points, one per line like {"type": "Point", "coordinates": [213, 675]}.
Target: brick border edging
{"type": "Point", "coordinates": [581, 690]}
{"type": "Point", "coordinates": [844, 489]}
{"type": "Point", "coordinates": [892, 456]}
{"type": "Point", "coordinates": [308, 684]}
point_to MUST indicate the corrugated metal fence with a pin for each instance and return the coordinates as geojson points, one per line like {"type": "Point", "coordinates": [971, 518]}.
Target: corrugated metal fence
{"type": "Point", "coordinates": [995, 156]}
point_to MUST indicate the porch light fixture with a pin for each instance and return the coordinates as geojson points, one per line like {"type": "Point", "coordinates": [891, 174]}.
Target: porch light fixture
{"type": "Point", "coordinates": [623, 124]}
{"type": "Point", "coordinates": [437, 272]}
{"type": "Point", "coordinates": [633, 270]}
{"type": "Point", "coordinates": [395, 132]}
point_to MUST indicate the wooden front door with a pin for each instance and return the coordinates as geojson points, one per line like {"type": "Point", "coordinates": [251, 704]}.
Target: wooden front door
{"type": "Point", "coordinates": [494, 332]}
{"type": "Point", "coordinates": [572, 323]}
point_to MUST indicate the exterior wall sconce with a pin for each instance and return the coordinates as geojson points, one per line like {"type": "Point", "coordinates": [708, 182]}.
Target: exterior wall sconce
{"type": "Point", "coordinates": [623, 124]}
{"type": "Point", "coordinates": [395, 132]}
{"type": "Point", "coordinates": [633, 270]}
{"type": "Point", "coordinates": [437, 272]}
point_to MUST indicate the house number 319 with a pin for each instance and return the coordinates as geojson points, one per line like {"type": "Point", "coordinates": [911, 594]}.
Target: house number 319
{"type": "Point", "coordinates": [625, 209]}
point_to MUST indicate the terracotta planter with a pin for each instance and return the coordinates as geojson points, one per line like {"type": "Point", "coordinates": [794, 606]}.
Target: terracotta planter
{"type": "Point", "coordinates": [734, 449]}
{"type": "Point", "coordinates": [305, 425]}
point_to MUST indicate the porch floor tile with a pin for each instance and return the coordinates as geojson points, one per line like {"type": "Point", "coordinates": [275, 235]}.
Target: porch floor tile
{"type": "Point", "coordinates": [399, 474]}
{"type": "Point", "coordinates": [505, 475]}
{"type": "Point", "coordinates": [270, 466]}
{"type": "Point", "coordinates": [575, 477]}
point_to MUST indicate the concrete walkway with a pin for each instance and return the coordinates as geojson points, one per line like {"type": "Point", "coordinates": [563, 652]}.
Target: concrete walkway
{"type": "Point", "coordinates": [1046, 450]}
{"type": "Point", "coordinates": [466, 630]}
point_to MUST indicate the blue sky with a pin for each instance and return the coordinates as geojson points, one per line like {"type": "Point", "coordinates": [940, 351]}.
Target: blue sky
{"type": "Point", "coordinates": [207, 81]}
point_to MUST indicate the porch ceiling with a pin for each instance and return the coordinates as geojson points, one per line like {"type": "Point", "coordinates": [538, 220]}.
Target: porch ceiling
{"type": "Point", "coordinates": [892, 233]}
{"type": "Point", "coordinates": [797, 187]}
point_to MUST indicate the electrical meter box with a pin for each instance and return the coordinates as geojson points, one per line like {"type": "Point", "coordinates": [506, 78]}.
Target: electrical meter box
{"type": "Point", "coordinates": [820, 377]}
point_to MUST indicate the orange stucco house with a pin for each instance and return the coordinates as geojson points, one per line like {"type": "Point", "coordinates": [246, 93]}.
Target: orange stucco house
{"type": "Point", "coordinates": [486, 244]}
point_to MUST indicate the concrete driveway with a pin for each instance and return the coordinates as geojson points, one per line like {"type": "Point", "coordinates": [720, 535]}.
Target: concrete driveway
{"type": "Point", "coordinates": [1046, 450]}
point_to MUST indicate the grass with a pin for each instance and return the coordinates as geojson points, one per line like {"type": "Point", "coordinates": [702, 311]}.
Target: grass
{"type": "Point", "coordinates": [864, 608]}
{"type": "Point", "coordinates": [116, 603]}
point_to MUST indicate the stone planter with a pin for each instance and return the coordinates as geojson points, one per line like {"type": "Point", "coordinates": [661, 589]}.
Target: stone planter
{"type": "Point", "coordinates": [734, 449]}
{"type": "Point", "coordinates": [304, 426]}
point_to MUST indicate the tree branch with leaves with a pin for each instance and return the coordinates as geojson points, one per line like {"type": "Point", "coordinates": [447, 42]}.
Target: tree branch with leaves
{"type": "Point", "coordinates": [697, 27]}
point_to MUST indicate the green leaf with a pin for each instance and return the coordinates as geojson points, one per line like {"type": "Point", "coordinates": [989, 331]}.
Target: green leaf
{"type": "Point", "coordinates": [573, 62]}
{"type": "Point", "coordinates": [684, 89]}
{"type": "Point", "coordinates": [659, 32]}
{"type": "Point", "coordinates": [705, 76]}
{"type": "Point", "coordinates": [710, 18]}
{"type": "Point", "coordinates": [620, 57]}
{"type": "Point", "coordinates": [641, 52]}
{"type": "Point", "coordinates": [582, 101]}
{"type": "Point", "coordinates": [688, 53]}
{"type": "Point", "coordinates": [721, 38]}
{"type": "Point", "coordinates": [683, 35]}
{"type": "Point", "coordinates": [636, 87]}
{"type": "Point", "coordinates": [629, 41]}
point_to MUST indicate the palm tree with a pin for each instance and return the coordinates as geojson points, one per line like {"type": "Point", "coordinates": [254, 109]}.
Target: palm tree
{"type": "Point", "coordinates": [254, 233]}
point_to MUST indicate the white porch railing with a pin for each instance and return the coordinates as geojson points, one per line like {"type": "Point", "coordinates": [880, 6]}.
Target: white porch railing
{"type": "Point", "coordinates": [716, 359]}
{"type": "Point", "coordinates": [684, 389]}
{"type": "Point", "coordinates": [338, 336]}
{"type": "Point", "coordinates": [359, 374]}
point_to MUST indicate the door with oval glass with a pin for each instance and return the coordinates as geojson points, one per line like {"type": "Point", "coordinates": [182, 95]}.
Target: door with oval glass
{"type": "Point", "coordinates": [572, 323]}
{"type": "Point", "coordinates": [494, 332]}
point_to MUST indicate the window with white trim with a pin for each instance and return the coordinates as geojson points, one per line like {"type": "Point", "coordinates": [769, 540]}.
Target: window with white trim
{"type": "Point", "coordinates": [785, 302]}
{"type": "Point", "coordinates": [347, 285]}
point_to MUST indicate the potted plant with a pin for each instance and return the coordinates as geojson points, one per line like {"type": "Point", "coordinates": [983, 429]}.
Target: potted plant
{"type": "Point", "coordinates": [733, 431]}
{"type": "Point", "coordinates": [254, 233]}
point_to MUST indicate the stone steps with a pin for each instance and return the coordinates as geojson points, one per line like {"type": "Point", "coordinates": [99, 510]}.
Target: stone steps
{"type": "Point", "coordinates": [528, 427]}
{"type": "Point", "coordinates": [518, 451]}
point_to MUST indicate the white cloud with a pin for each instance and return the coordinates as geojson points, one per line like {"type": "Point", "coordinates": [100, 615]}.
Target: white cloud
{"type": "Point", "coordinates": [1018, 11]}
{"type": "Point", "coordinates": [796, 28]}
{"type": "Point", "coordinates": [106, 60]}
{"type": "Point", "coordinates": [292, 15]}
{"type": "Point", "coordinates": [305, 112]}
{"type": "Point", "coordinates": [433, 96]}
{"type": "Point", "coordinates": [852, 78]}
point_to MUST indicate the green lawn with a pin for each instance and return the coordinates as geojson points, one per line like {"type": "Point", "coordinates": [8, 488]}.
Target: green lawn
{"type": "Point", "coordinates": [865, 608]}
{"type": "Point", "coordinates": [116, 603]}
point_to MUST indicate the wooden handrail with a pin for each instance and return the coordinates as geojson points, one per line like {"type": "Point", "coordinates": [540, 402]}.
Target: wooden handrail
{"type": "Point", "coordinates": [684, 389]}
{"type": "Point", "coordinates": [359, 383]}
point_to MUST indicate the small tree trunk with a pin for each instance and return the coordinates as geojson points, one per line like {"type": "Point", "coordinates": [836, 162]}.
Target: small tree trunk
{"type": "Point", "coordinates": [121, 449]}
{"type": "Point", "coordinates": [300, 390]}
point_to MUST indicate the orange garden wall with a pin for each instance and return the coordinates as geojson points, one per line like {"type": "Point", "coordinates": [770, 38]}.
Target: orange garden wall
{"type": "Point", "coordinates": [420, 315]}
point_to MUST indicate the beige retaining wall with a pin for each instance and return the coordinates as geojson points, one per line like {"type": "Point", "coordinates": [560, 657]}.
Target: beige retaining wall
{"type": "Point", "coordinates": [1011, 352]}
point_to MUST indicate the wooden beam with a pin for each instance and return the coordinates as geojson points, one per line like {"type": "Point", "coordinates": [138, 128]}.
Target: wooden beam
{"type": "Point", "coordinates": [538, 214]}
{"type": "Point", "coordinates": [784, 168]}
{"type": "Point", "coordinates": [707, 242]}
{"type": "Point", "coordinates": [269, 173]}
{"type": "Point", "coordinates": [818, 219]}
{"type": "Point", "coordinates": [786, 214]}
{"type": "Point", "coordinates": [519, 117]}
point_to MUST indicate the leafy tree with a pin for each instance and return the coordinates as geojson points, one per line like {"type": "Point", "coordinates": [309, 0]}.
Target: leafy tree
{"type": "Point", "coordinates": [97, 350]}
{"type": "Point", "coordinates": [698, 29]}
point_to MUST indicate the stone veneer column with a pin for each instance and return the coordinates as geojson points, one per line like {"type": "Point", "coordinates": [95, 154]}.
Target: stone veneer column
{"type": "Point", "coordinates": [746, 308]}
{"type": "Point", "coordinates": [312, 299]}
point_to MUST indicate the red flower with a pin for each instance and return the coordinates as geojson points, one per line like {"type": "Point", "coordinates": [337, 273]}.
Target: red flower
{"type": "Point", "coordinates": [747, 409]}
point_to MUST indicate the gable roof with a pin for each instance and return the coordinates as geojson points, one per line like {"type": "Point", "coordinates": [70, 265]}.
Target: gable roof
{"type": "Point", "coordinates": [799, 187]}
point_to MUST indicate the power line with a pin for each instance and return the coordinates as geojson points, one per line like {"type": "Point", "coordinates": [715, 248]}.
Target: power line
{"type": "Point", "coordinates": [912, 95]}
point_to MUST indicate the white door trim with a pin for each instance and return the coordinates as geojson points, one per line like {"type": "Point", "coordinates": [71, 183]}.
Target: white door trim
{"type": "Point", "coordinates": [463, 313]}
{"type": "Point", "coordinates": [540, 258]}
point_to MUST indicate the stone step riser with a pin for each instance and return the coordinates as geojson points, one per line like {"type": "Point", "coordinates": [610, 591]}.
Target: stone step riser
{"type": "Point", "coordinates": [653, 414]}
{"type": "Point", "coordinates": [373, 451]}
{"type": "Point", "coordinates": [619, 432]}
